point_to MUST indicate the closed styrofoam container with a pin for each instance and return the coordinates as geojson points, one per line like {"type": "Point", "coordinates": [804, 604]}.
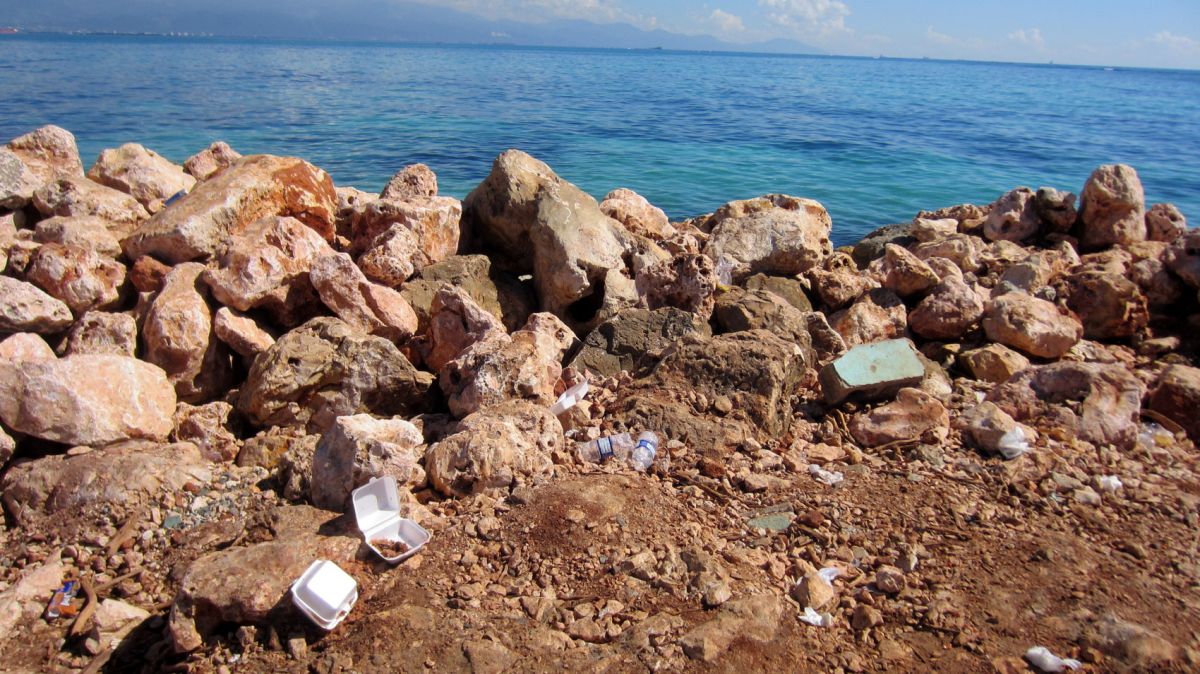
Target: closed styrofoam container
{"type": "Point", "coordinates": [325, 593]}
{"type": "Point", "coordinates": [377, 509]}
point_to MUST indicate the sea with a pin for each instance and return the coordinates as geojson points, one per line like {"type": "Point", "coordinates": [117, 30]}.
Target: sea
{"type": "Point", "coordinates": [873, 139]}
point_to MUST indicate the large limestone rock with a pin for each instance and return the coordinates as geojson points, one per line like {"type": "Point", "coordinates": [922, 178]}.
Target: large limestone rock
{"type": "Point", "coordinates": [87, 400]}
{"type": "Point", "coordinates": [1183, 257]}
{"type": "Point", "coordinates": [241, 333]}
{"type": "Point", "coordinates": [497, 292]}
{"type": "Point", "coordinates": [212, 427]}
{"type": "Point", "coordinates": [947, 312]}
{"type": "Point", "coordinates": [368, 307]}
{"type": "Point", "coordinates": [432, 221]}
{"type": "Point", "coordinates": [993, 363]}
{"type": "Point", "coordinates": [391, 258]}
{"type": "Point", "coordinates": [25, 346]}
{"type": "Point", "coordinates": [99, 332]}
{"type": "Point", "coordinates": [415, 181]}
{"type": "Point", "coordinates": [124, 473]}
{"type": "Point", "coordinates": [551, 228]}
{"type": "Point", "coordinates": [249, 585]}
{"type": "Point", "coordinates": [635, 339]}
{"type": "Point", "coordinates": [1110, 306]}
{"type": "Point", "coordinates": [79, 277]}
{"type": "Point", "coordinates": [143, 174]}
{"type": "Point", "coordinates": [495, 449]}
{"type": "Point", "coordinates": [25, 308]}
{"type": "Point", "coordinates": [255, 187]}
{"type": "Point", "coordinates": [1176, 395]}
{"type": "Point", "coordinates": [1031, 325]}
{"type": "Point", "coordinates": [17, 182]}
{"type": "Point", "coordinates": [773, 234]}
{"type": "Point", "coordinates": [525, 365]}
{"type": "Point", "coordinates": [179, 338]}
{"type": "Point", "coordinates": [325, 369]}
{"type": "Point", "coordinates": [1112, 207]}
{"type": "Point", "coordinates": [902, 272]}
{"type": "Point", "coordinates": [86, 231]}
{"type": "Point", "coordinates": [687, 281]}
{"type": "Point", "coordinates": [910, 416]}
{"type": "Point", "coordinates": [1164, 222]}
{"type": "Point", "coordinates": [456, 322]}
{"type": "Point", "coordinates": [359, 448]}
{"type": "Point", "coordinates": [48, 152]}
{"type": "Point", "coordinates": [1013, 217]}
{"type": "Point", "coordinates": [1108, 399]}
{"type": "Point", "coordinates": [876, 316]}
{"type": "Point", "coordinates": [74, 197]}
{"type": "Point", "coordinates": [637, 215]}
{"type": "Point", "coordinates": [790, 289]}
{"type": "Point", "coordinates": [266, 266]}
{"type": "Point", "coordinates": [962, 249]}
{"type": "Point", "coordinates": [211, 160]}
{"type": "Point", "coordinates": [738, 310]}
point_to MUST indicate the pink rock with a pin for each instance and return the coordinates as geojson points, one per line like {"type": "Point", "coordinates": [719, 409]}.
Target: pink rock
{"type": "Point", "coordinates": [86, 231]}
{"type": "Point", "coordinates": [48, 152]}
{"type": "Point", "coordinates": [1183, 257]}
{"type": "Point", "coordinates": [389, 261]}
{"type": "Point", "coordinates": [73, 197]}
{"type": "Point", "coordinates": [99, 332]}
{"type": "Point", "coordinates": [902, 272]}
{"type": "Point", "coordinates": [911, 415]}
{"type": "Point", "coordinates": [1108, 398]}
{"type": "Point", "coordinates": [925, 230]}
{"type": "Point", "coordinates": [87, 400]}
{"type": "Point", "coordinates": [840, 286]}
{"type": "Point", "coordinates": [365, 306]}
{"type": "Point", "coordinates": [774, 234]}
{"type": "Point", "coordinates": [1032, 274]}
{"type": "Point", "coordinates": [994, 430]}
{"type": "Point", "coordinates": [179, 337]}
{"type": "Point", "coordinates": [948, 312]}
{"type": "Point", "coordinates": [241, 333]}
{"type": "Point", "coordinates": [1032, 325]}
{"type": "Point", "coordinates": [1164, 222]}
{"type": "Point", "coordinates": [143, 174]}
{"type": "Point", "coordinates": [148, 274]}
{"type": "Point", "coordinates": [261, 186]}
{"type": "Point", "coordinates": [266, 266]}
{"type": "Point", "coordinates": [1149, 271]}
{"type": "Point", "coordinates": [211, 160]}
{"type": "Point", "coordinates": [495, 449]}
{"type": "Point", "coordinates": [877, 316]}
{"type": "Point", "coordinates": [210, 427]}
{"type": "Point", "coordinates": [79, 277]}
{"type": "Point", "coordinates": [25, 308]}
{"type": "Point", "coordinates": [433, 221]}
{"type": "Point", "coordinates": [1013, 217]}
{"type": "Point", "coordinates": [1112, 207]}
{"type": "Point", "coordinates": [24, 346]}
{"type": "Point", "coordinates": [686, 281]}
{"type": "Point", "coordinates": [637, 215]}
{"type": "Point", "coordinates": [359, 448]}
{"type": "Point", "coordinates": [416, 181]}
{"type": "Point", "coordinates": [455, 323]}
{"type": "Point", "coordinates": [961, 249]}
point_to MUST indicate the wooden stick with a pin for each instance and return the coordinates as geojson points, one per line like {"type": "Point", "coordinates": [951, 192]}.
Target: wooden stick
{"type": "Point", "coordinates": [125, 533]}
{"type": "Point", "coordinates": [99, 661]}
{"type": "Point", "coordinates": [80, 625]}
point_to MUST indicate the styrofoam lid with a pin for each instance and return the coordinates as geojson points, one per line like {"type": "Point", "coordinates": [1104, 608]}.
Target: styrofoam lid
{"type": "Point", "coordinates": [376, 502]}
{"type": "Point", "coordinates": [325, 592]}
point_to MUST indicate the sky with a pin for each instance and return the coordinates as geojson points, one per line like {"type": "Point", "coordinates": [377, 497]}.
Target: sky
{"type": "Point", "coordinates": [1150, 33]}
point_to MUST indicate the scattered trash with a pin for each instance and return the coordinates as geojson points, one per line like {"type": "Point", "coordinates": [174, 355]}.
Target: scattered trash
{"type": "Point", "coordinates": [175, 197]}
{"type": "Point", "coordinates": [325, 593]}
{"type": "Point", "coordinates": [829, 574]}
{"type": "Point", "coordinates": [830, 477]}
{"type": "Point", "coordinates": [873, 371]}
{"type": "Point", "coordinates": [812, 617]}
{"type": "Point", "coordinates": [724, 270]}
{"type": "Point", "coordinates": [60, 604]}
{"type": "Point", "coordinates": [1014, 443]}
{"type": "Point", "coordinates": [641, 454]}
{"type": "Point", "coordinates": [570, 398]}
{"type": "Point", "coordinates": [377, 509]}
{"type": "Point", "coordinates": [1109, 483]}
{"type": "Point", "coordinates": [1155, 435]}
{"type": "Point", "coordinates": [1043, 659]}
{"type": "Point", "coordinates": [773, 521]}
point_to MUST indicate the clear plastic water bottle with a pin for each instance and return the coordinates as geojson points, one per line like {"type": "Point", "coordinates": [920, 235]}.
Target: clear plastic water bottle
{"type": "Point", "coordinates": [622, 446]}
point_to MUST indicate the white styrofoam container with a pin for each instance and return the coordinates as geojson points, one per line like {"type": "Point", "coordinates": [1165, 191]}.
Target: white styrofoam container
{"type": "Point", "coordinates": [377, 509]}
{"type": "Point", "coordinates": [325, 593]}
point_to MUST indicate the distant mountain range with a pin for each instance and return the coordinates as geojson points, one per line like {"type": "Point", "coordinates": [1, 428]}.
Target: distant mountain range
{"type": "Point", "coordinates": [370, 20]}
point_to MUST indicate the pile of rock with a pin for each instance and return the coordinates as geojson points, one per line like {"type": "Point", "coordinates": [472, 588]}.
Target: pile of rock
{"type": "Point", "coordinates": [165, 323]}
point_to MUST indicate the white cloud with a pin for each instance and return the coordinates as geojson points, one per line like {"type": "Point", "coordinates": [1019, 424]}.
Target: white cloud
{"type": "Point", "coordinates": [809, 17]}
{"type": "Point", "coordinates": [726, 22]}
{"type": "Point", "coordinates": [1031, 37]}
{"type": "Point", "coordinates": [601, 11]}
{"type": "Point", "coordinates": [1180, 43]}
{"type": "Point", "coordinates": [940, 38]}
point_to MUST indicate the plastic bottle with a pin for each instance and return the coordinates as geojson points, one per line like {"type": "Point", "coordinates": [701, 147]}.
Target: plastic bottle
{"type": "Point", "coordinates": [622, 446]}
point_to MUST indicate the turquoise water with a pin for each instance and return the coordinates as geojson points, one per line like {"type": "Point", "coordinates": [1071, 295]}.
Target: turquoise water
{"type": "Point", "coordinates": [874, 140]}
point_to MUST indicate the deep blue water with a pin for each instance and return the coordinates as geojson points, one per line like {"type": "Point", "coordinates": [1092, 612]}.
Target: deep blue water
{"type": "Point", "coordinates": [875, 140]}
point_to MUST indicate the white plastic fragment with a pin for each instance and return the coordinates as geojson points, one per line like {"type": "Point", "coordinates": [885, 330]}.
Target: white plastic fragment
{"type": "Point", "coordinates": [829, 574]}
{"type": "Point", "coordinates": [1012, 444]}
{"type": "Point", "coordinates": [830, 477]}
{"type": "Point", "coordinates": [569, 398]}
{"type": "Point", "coordinates": [325, 593]}
{"type": "Point", "coordinates": [1043, 659]}
{"type": "Point", "coordinates": [1108, 483]}
{"type": "Point", "coordinates": [812, 617]}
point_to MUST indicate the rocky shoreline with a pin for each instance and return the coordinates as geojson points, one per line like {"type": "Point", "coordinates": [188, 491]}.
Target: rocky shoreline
{"type": "Point", "coordinates": [960, 438]}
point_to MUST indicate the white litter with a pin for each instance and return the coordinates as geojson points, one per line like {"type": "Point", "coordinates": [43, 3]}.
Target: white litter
{"type": "Point", "coordinates": [830, 477]}
{"type": "Point", "coordinates": [325, 593]}
{"type": "Point", "coordinates": [377, 509]}
{"type": "Point", "coordinates": [569, 398]}
{"type": "Point", "coordinates": [829, 574]}
{"type": "Point", "coordinates": [1108, 483]}
{"type": "Point", "coordinates": [1043, 659]}
{"type": "Point", "coordinates": [816, 619]}
{"type": "Point", "coordinates": [1013, 443]}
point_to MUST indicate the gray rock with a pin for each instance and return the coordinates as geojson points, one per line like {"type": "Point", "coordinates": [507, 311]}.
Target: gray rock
{"type": "Point", "coordinates": [635, 339]}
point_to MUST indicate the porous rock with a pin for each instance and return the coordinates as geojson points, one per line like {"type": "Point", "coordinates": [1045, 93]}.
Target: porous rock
{"type": "Point", "coordinates": [211, 427]}
{"type": "Point", "coordinates": [211, 160]}
{"type": "Point", "coordinates": [1164, 222]}
{"type": "Point", "coordinates": [415, 181]}
{"type": "Point", "coordinates": [1112, 207]}
{"type": "Point", "coordinates": [876, 316]}
{"type": "Point", "coordinates": [48, 152]}
{"type": "Point", "coordinates": [637, 215]}
{"type": "Point", "coordinates": [76, 197]}
{"type": "Point", "coordinates": [358, 448]}
{"type": "Point", "coordinates": [143, 174]}
{"type": "Point", "coordinates": [902, 272]}
{"type": "Point", "coordinates": [687, 281]}
{"type": "Point", "coordinates": [17, 182]}
{"type": "Point", "coordinates": [948, 312]}
{"type": "Point", "coordinates": [79, 277]}
{"type": "Point", "coordinates": [99, 332]}
{"type": "Point", "coordinates": [369, 307]}
{"type": "Point", "coordinates": [1013, 217]}
{"type": "Point", "coordinates": [25, 308]}
{"type": "Point", "coordinates": [911, 415]}
{"type": "Point", "coordinates": [635, 339]}
{"type": "Point", "coordinates": [495, 449]}
{"type": "Point", "coordinates": [1031, 325]}
{"type": "Point", "coordinates": [773, 234]}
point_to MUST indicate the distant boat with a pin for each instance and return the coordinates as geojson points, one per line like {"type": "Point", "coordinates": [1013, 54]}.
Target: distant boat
{"type": "Point", "coordinates": [8, 31]}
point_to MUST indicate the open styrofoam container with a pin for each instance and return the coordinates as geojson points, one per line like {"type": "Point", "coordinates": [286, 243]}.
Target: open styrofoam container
{"type": "Point", "coordinates": [325, 593]}
{"type": "Point", "coordinates": [377, 509]}
{"type": "Point", "coordinates": [570, 398]}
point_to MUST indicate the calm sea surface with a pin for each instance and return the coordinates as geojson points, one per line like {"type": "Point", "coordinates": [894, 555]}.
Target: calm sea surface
{"type": "Point", "coordinates": [875, 140]}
